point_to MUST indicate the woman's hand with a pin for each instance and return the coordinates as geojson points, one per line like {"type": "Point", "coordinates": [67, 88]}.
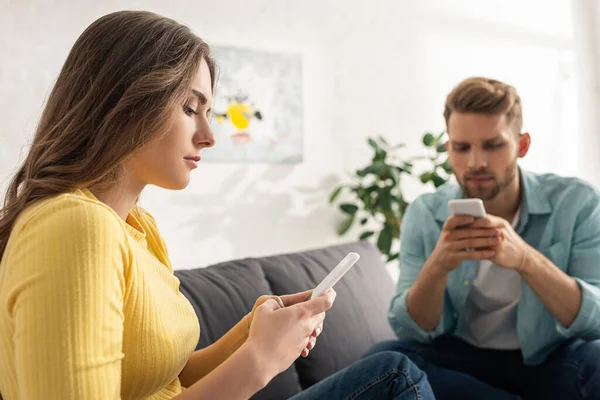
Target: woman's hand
{"type": "Point", "coordinates": [281, 334]}
{"type": "Point", "coordinates": [285, 301]}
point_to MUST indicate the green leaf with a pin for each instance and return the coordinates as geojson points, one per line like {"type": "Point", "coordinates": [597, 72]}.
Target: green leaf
{"type": "Point", "coordinates": [373, 144]}
{"type": "Point", "coordinates": [402, 205]}
{"type": "Point", "coordinates": [446, 166]}
{"type": "Point", "coordinates": [371, 189]}
{"type": "Point", "coordinates": [335, 194]}
{"type": "Point", "coordinates": [372, 169]}
{"type": "Point", "coordinates": [441, 148]}
{"type": "Point", "coordinates": [364, 221]}
{"type": "Point", "coordinates": [384, 242]}
{"type": "Point", "coordinates": [438, 180]}
{"type": "Point", "coordinates": [393, 257]}
{"type": "Point", "coordinates": [380, 155]}
{"type": "Point", "coordinates": [346, 225]}
{"type": "Point", "coordinates": [395, 175]}
{"type": "Point", "coordinates": [382, 139]}
{"type": "Point", "coordinates": [366, 235]}
{"type": "Point", "coordinates": [349, 208]}
{"type": "Point", "coordinates": [406, 168]}
{"type": "Point", "coordinates": [387, 172]}
{"type": "Point", "coordinates": [428, 139]}
{"type": "Point", "coordinates": [426, 177]}
{"type": "Point", "coordinates": [384, 200]}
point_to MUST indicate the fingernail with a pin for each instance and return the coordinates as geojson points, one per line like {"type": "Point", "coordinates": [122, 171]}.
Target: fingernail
{"type": "Point", "coordinates": [318, 330]}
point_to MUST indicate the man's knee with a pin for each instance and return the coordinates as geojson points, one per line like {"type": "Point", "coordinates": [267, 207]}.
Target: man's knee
{"type": "Point", "coordinates": [591, 357]}
{"type": "Point", "coordinates": [399, 362]}
{"type": "Point", "coordinates": [584, 356]}
{"type": "Point", "coordinates": [589, 373]}
{"type": "Point", "coordinates": [584, 353]}
{"type": "Point", "coordinates": [400, 346]}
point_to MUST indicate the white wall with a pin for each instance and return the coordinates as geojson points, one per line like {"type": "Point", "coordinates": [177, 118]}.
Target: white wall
{"type": "Point", "coordinates": [370, 68]}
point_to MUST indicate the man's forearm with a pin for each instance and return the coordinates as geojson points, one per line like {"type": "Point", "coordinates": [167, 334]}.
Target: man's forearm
{"type": "Point", "coordinates": [425, 298]}
{"type": "Point", "coordinates": [559, 292]}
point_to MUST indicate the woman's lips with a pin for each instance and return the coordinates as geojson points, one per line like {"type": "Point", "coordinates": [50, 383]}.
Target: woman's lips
{"type": "Point", "coordinates": [193, 161]}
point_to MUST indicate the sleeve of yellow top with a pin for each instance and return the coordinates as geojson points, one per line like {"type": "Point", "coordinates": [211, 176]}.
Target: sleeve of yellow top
{"type": "Point", "coordinates": [67, 303]}
{"type": "Point", "coordinates": [203, 361]}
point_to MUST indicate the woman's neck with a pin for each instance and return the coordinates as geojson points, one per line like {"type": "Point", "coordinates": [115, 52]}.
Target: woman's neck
{"type": "Point", "coordinates": [121, 197]}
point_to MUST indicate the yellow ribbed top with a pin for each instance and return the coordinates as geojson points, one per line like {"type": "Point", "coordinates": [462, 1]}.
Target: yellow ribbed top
{"type": "Point", "coordinates": [89, 306]}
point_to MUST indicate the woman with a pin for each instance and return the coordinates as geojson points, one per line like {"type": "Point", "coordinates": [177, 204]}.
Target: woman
{"type": "Point", "coordinates": [90, 306]}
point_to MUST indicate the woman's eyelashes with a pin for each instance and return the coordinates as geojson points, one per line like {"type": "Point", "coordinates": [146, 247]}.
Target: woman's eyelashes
{"type": "Point", "coordinates": [189, 111]}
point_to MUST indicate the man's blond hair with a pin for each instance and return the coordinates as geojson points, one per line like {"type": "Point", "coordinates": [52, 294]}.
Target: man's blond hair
{"type": "Point", "coordinates": [485, 96]}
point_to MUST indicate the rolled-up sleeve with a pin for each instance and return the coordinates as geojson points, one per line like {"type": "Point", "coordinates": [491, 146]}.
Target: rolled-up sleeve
{"type": "Point", "coordinates": [584, 267]}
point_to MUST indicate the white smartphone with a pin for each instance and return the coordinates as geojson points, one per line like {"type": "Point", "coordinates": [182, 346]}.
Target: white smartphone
{"type": "Point", "coordinates": [335, 275]}
{"type": "Point", "coordinates": [472, 207]}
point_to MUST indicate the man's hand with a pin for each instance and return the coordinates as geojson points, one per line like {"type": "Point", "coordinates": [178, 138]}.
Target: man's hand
{"type": "Point", "coordinates": [511, 251]}
{"type": "Point", "coordinates": [461, 239]}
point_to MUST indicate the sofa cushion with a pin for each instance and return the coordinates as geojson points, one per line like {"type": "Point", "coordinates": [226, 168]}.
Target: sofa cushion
{"type": "Point", "coordinates": [358, 318]}
{"type": "Point", "coordinates": [221, 296]}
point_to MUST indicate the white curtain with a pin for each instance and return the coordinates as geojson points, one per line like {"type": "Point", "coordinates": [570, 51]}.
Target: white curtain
{"type": "Point", "coordinates": [586, 15]}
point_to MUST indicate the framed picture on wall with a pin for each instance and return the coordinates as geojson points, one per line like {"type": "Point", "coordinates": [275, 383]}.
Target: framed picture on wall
{"type": "Point", "coordinates": [258, 107]}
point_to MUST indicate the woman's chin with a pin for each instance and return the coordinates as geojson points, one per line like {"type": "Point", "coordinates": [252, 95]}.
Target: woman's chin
{"type": "Point", "coordinates": [178, 184]}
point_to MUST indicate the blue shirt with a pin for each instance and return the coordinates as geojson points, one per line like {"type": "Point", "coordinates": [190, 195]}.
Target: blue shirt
{"type": "Point", "coordinates": [560, 217]}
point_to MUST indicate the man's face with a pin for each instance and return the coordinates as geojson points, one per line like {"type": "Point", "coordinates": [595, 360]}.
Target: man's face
{"type": "Point", "coordinates": [483, 151]}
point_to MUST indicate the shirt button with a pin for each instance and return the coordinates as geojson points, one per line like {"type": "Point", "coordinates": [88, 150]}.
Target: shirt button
{"type": "Point", "coordinates": [466, 283]}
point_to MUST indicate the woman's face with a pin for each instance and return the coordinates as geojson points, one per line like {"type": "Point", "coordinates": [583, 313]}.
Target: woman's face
{"type": "Point", "coordinates": [168, 160]}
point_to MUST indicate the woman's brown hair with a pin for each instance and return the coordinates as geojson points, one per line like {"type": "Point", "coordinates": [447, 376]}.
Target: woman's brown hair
{"type": "Point", "coordinates": [117, 90]}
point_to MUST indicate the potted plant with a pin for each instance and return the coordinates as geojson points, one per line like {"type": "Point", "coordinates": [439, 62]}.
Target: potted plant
{"type": "Point", "coordinates": [376, 199]}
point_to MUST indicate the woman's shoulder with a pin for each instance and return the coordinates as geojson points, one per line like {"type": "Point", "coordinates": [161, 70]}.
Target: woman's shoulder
{"type": "Point", "coordinates": [145, 217]}
{"type": "Point", "coordinates": [153, 235]}
{"type": "Point", "coordinates": [69, 210]}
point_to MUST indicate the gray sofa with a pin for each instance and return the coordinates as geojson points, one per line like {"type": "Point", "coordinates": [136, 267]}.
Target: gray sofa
{"type": "Point", "coordinates": [222, 294]}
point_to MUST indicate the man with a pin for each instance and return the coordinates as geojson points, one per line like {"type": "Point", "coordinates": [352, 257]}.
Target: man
{"type": "Point", "coordinates": [507, 305]}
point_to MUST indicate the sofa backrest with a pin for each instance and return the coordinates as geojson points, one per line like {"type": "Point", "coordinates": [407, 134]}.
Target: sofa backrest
{"type": "Point", "coordinates": [222, 294]}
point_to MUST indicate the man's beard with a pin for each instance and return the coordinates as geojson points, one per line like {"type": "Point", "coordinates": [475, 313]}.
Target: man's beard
{"type": "Point", "coordinates": [488, 193]}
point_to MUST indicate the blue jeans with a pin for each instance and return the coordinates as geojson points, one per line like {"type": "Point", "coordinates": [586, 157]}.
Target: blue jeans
{"type": "Point", "coordinates": [386, 375]}
{"type": "Point", "coordinates": [457, 370]}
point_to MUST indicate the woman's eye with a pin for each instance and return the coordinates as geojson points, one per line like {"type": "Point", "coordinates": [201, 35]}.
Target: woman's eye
{"type": "Point", "coordinates": [189, 111]}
